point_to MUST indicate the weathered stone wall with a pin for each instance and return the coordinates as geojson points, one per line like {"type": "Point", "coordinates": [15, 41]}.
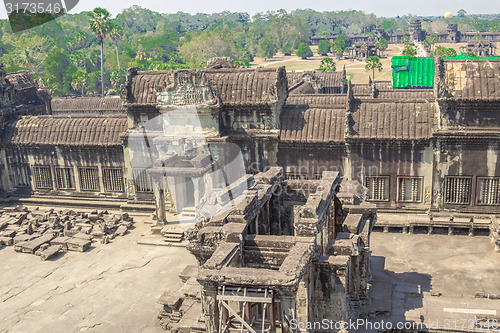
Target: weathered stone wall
{"type": "Point", "coordinates": [70, 158]}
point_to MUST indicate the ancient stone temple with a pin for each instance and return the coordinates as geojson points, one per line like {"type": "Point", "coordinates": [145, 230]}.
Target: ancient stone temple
{"type": "Point", "coordinates": [282, 245]}
{"type": "Point", "coordinates": [416, 33]}
{"type": "Point", "coordinates": [415, 149]}
{"type": "Point", "coordinates": [482, 48]}
{"type": "Point", "coordinates": [362, 50]}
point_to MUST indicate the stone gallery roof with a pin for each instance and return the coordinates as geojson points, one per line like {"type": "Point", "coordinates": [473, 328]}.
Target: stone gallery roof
{"type": "Point", "coordinates": [403, 120]}
{"type": "Point", "coordinates": [87, 105]}
{"type": "Point", "coordinates": [312, 124]}
{"type": "Point", "coordinates": [477, 79]}
{"type": "Point", "coordinates": [234, 86]}
{"type": "Point", "coordinates": [318, 99]}
{"type": "Point", "coordinates": [327, 80]}
{"type": "Point", "coordinates": [65, 131]}
{"type": "Point", "coordinates": [427, 94]}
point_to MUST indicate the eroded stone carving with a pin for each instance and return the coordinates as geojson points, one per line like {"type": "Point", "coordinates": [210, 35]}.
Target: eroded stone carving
{"type": "Point", "coordinates": [187, 88]}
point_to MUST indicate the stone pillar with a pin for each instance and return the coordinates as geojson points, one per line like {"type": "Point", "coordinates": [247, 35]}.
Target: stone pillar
{"type": "Point", "coordinates": [287, 302]}
{"type": "Point", "coordinates": [159, 193]}
{"type": "Point", "coordinates": [450, 231]}
{"type": "Point", "coordinates": [210, 308]}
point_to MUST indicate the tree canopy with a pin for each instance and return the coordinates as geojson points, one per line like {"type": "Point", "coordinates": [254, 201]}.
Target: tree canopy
{"type": "Point", "coordinates": [304, 51]}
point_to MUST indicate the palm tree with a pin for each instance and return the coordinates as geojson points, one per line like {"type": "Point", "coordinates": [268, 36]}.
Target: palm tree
{"type": "Point", "coordinates": [82, 38]}
{"type": "Point", "coordinates": [116, 35]}
{"type": "Point", "coordinates": [373, 63]}
{"type": "Point", "coordinates": [100, 25]}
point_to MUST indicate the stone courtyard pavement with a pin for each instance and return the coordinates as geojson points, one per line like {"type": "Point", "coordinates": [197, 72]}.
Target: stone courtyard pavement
{"type": "Point", "coordinates": [438, 280]}
{"type": "Point", "coordinates": [109, 288]}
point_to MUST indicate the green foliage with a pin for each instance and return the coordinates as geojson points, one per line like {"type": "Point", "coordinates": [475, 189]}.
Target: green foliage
{"type": "Point", "coordinates": [79, 81]}
{"type": "Point", "coordinates": [242, 64]}
{"type": "Point", "coordinates": [324, 47]}
{"type": "Point", "coordinates": [100, 24]}
{"type": "Point", "coordinates": [477, 37]}
{"type": "Point", "coordinates": [405, 39]}
{"type": "Point", "coordinates": [340, 44]}
{"type": "Point", "coordinates": [287, 49]}
{"type": "Point", "coordinates": [382, 44]}
{"type": "Point", "coordinates": [117, 78]}
{"type": "Point", "coordinates": [327, 65]}
{"type": "Point", "coordinates": [410, 50]}
{"type": "Point", "coordinates": [59, 72]}
{"type": "Point", "coordinates": [304, 51]}
{"type": "Point", "coordinates": [389, 26]}
{"type": "Point", "coordinates": [461, 12]}
{"type": "Point", "coordinates": [471, 54]}
{"type": "Point", "coordinates": [442, 51]}
{"type": "Point", "coordinates": [373, 63]}
{"type": "Point", "coordinates": [266, 48]}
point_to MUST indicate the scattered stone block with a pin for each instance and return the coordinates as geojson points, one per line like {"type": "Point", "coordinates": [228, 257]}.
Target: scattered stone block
{"type": "Point", "coordinates": [121, 231]}
{"type": "Point", "coordinates": [50, 252]}
{"type": "Point", "coordinates": [78, 244]}
{"type": "Point", "coordinates": [61, 241]}
{"type": "Point", "coordinates": [7, 241]}
{"type": "Point", "coordinates": [24, 238]}
{"type": "Point", "coordinates": [83, 236]}
{"type": "Point", "coordinates": [33, 245]}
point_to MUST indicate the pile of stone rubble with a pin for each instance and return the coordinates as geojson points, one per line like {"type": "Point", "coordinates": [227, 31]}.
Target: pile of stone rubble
{"type": "Point", "coordinates": [47, 232]}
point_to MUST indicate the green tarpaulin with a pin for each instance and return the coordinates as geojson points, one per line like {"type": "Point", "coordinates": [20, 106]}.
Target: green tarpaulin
{"type": "Point", "coordinates": [412, 72]}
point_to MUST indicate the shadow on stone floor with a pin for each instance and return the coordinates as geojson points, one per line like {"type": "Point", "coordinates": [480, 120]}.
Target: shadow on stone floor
{"type": "Point", "coordinates": [392, 295]}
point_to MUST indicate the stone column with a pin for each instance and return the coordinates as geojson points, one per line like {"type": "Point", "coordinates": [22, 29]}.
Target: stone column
{"type": "Point", "coordinates": [159, 200]}
{"type": "Point", "coordinates": [287, 302]}
{"type": "Point", "coordinates": [210, 308]}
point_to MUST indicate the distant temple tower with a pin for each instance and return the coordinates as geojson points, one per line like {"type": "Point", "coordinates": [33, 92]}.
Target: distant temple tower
{"type": "Point", "coordinates": [453, 33]}
{"type": "Point", "coordinates": [416, 32]}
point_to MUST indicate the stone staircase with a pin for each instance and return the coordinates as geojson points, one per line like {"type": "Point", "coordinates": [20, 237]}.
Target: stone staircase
{"type": "Point", "coordinates": [173, 235]}
{"type": "Point", "coordinates": [187, 214]}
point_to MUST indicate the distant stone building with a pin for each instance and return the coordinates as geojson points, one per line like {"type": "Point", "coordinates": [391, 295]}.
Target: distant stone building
{"type": "Point", "coordinates": [362, 50]}
{"type": "Point", "coordinates": [415, 33]}
{"type": "Point", "coordinates": [482, 48]}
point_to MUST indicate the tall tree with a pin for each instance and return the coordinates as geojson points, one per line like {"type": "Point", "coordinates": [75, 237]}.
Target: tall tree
{"type": "Point", "coordinates": [100, 25]}
{"type": "Point", "coordinates": [461, 12]}
{"type": "Point", "coordinates": [324, 47]}
{"type": "Point", "coordinates": [373, 63]}
{"type": "Point", "coordinates": [432, 40]}
{"type": "Point", "coordinates": [266, 48]}
{"type": "Point", "coordinates": [82, 40]}
{"type": "Point", "coordinates": [116, 35]}
{"type": "Point", "coordinates": [59, 72]}
{"type": "Point", "coordinates": [382, 44]}
{"type": "Point", "coordinates": [304, 51]}
{"type": "Point", "coordinates": [79, 81]}
{"type": "Point", "coordinates": [410, 50]}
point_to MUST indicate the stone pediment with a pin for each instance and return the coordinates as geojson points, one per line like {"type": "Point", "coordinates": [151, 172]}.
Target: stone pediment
{"type": "Point", "coordinates": [185, 88]}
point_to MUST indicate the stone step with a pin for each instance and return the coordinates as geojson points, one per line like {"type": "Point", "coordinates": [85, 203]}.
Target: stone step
{"type": "Point", "coordinates": [172, 240]}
